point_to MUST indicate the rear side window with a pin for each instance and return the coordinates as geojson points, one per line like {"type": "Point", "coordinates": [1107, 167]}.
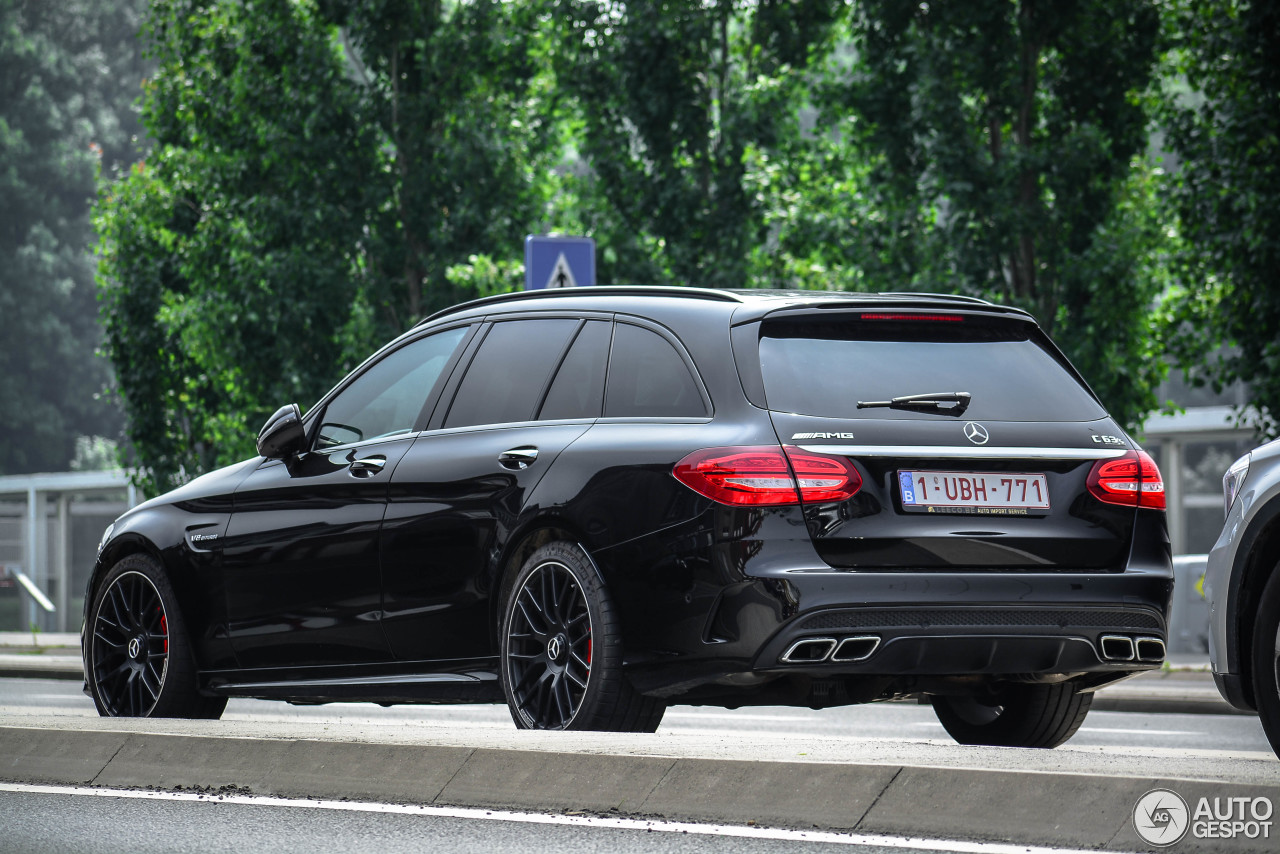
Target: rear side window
{"type": "Point", "coordinates": [509, 373]}
{"type": "Point", "coordinates": [648, 378]}
{"type": "Point", "coordinates": [825, 368]}
{"type": "Point", "coordinates": [578, 389]}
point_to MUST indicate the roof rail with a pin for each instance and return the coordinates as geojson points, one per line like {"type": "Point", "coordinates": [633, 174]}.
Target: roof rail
{"type": "Point", "coordinates": [590, 290]}
{"type": "Point", "coordinates": [932, 295]}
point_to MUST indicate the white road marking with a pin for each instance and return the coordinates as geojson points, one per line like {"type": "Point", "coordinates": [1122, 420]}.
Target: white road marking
{"type": "Point", "coordinates": [474, 814]}
{"type": "Point", "coordinates": [1118, 730]}
{"type": "Point", "coordinates": [731, 716]}
{"type": "Point", "coordinates": [1136, 731]}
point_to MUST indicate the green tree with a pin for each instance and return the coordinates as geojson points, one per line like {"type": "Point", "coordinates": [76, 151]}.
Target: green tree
{"type": "Point", "coordinates": [69, 72]}
{"type": "Point", "coordinates": [460, 100]}
{"type": "Point", "coordinates": [324, 173]}
{"type": "Point", "coordinates": [1003, 143]}
{"type": "Point", "coordinates": [232, 257]}
{"type": "Point", "coordinates": [1226, 133]}
{"type": "Point", "coordinates": [671, 102]}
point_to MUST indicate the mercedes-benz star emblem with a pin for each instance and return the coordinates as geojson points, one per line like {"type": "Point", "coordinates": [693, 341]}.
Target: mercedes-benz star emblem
{"type": "Point", "coordinates": [553, 648]}
{"type": "Point", "coordinates": [976, 433]}
{"type": "Point", "coordinates": [135, 647]}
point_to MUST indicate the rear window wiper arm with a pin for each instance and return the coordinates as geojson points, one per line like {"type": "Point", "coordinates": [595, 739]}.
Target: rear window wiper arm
{"type": "Point", "coordinates": [934, 402]}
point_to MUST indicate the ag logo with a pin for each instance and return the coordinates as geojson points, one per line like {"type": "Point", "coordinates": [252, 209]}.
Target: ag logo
{"type": "Point", "coordinates": [976, 433]}
{"type": "Point", "coordinates": [1161, 817]}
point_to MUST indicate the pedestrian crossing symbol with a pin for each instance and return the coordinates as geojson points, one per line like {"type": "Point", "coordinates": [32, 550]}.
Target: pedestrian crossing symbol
{"type": "Point", "coordinates": [561, 275]}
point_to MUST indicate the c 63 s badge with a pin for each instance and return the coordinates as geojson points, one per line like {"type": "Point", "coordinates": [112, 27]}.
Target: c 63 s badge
{"type": "Point", "coordinates": [795, 436]}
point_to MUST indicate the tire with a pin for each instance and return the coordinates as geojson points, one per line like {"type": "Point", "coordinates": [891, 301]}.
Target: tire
{"type": "Point", "coordinates": [561, 649]}
{"type": "Point", "coordinates": [139, 657]}
{"type": "Point", "coordinates": [1018, 716]}
{"type": "Point", "coordinates": [1266, 660]}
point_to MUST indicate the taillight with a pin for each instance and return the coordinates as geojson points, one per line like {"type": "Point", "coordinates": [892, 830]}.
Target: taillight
{"type": "Point", "coordinates": [823, 478]}
{"type": "Point", "coordinates": [762, 476]}
{"type": "Point", "coordinates": [1132, 481]}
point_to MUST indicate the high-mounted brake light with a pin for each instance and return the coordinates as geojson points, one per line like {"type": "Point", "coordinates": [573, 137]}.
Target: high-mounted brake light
{"type": "Point", "coordinates": [1131, 481]}
{"type": "Point", "coordinates": [763, 476]}
{"type": "Point", "coordinates": [936, 318]}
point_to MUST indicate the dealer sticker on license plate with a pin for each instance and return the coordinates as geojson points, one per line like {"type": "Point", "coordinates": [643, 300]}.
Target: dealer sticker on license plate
{"type": "Point", "coordinates": [981, 493]}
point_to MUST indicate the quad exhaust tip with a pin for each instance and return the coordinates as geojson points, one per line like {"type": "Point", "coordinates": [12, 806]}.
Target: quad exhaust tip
{"type": "Point", "coordinates": [856, 649]}
{"type": "Point", "coordinates": [839, 651]}
{"type": "Point", "coordinates": [1124, 648]}
{"type": "Point", "coordinates": [1150, 649]}
{"type": "Point", "coordinates": [1117, 648]}
{"type": "Point", "coordinates": [808, 651]}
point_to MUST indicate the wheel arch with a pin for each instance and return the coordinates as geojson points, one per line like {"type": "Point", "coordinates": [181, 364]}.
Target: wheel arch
{"type": "Point", "coordinates": [119, 548]}
{"type": "Point", "coordinates": [1260, 559]}
{"type": "Point", "coordinates": [528, 539]}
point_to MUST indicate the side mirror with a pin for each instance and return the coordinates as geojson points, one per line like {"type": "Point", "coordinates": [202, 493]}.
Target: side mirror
{"type": "Point", "coordinates": [282, 436]}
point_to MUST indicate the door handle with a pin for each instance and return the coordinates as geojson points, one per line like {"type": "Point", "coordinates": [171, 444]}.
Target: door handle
{"type": "Point", "coordinates": [518, 459]}
{"type": "Point", "coordinates": [367, 467]}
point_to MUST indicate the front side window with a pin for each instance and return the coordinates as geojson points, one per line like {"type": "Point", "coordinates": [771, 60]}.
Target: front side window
{"type": "Point", "coordinates": [387, 399]}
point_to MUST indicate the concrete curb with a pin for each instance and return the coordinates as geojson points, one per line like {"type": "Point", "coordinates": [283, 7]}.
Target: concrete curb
{"type": "Point", "coordinates": [40, 666]}
{"type": "Point", "coordinates": [1022, 807]}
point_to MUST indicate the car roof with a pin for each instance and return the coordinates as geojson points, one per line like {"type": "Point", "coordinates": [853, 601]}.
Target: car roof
{"type": "Point", "coordinates": [757, 302]}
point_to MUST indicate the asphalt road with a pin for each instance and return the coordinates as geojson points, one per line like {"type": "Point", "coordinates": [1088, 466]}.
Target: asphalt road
{"type": "Point", "coordinates": [1225, 735]}
{"type": "Point", "coordinates": [71, 823]}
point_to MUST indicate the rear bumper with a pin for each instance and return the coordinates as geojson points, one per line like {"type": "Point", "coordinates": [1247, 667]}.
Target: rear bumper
{"type": "Point", "coordinates": [911, 624]}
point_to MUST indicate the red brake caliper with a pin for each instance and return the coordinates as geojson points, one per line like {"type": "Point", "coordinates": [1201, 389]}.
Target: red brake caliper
{"type": "Point", "coordinates": [164, 627]}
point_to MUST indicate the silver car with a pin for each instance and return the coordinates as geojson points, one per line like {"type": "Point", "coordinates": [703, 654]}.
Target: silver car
{"type": "Point", "coordinates": [1242, 584]}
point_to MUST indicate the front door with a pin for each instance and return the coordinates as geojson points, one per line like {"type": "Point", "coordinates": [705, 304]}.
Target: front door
{"type": "Point", "coordinates": [301, 554]}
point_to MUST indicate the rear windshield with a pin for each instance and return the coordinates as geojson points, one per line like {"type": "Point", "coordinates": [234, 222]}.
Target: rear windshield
{"type": "Point", "coordinates": [825, 368]}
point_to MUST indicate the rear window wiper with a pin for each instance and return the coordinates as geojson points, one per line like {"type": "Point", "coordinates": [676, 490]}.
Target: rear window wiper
{"type": "Point", "coordinates": [933, 402]}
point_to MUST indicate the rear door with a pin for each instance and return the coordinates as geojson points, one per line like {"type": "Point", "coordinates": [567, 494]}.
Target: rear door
{"type": "Point", "coordinates": [975, 440]}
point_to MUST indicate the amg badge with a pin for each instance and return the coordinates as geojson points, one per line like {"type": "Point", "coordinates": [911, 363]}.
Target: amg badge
{"type": "Point", "coordinates": [795, 436]}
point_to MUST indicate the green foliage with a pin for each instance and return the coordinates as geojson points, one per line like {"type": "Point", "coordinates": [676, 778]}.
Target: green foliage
{"type": "Point", "coordinates": [322, 173]}
{"type": "Point", "coordinates": [1226, 133]}
{"type": "Point", "coordinates": [1004, 143]}
{"type": "Point", "coordinates": [462, 112]}
{"type": "Point", "coordinates": [231, 258]}
{"type": "Point", "coordinates": [484, 276]}
{"type": "Point", "coordinates": [68, 71]}
{"type": "Point", "coordinates": [672, 98]}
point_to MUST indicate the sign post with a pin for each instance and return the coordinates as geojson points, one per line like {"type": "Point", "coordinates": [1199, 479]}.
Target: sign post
{"type": "Point", "coordinates": [558, 262]}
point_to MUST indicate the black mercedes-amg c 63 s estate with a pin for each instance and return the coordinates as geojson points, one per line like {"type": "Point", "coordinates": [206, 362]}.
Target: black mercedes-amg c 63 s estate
{"type": "Point", "coordinates": [595, 503]}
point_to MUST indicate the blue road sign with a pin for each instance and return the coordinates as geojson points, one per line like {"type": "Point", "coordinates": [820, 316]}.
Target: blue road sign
{"type": "Point", "coordinates": [558, 262]}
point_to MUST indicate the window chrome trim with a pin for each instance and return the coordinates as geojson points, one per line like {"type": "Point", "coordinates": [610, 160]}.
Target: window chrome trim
{"type": "Point", "coordinates": [960, 452]}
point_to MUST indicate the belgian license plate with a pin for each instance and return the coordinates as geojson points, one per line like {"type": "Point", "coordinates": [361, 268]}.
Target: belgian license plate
{"type": "Point", "coordinates": [980, 493]}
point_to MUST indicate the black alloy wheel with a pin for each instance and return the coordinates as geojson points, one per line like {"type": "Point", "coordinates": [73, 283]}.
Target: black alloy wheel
{"type": "Point", "coordinates": [139, 659]}
{"type": "Point", "coordinates": [549, 647]}
{"type": "Point", "coordinates": [1266, 660]}
{"type": "Point", "coordinates": [561, 651]}
{"type": "Point", "coordinates": [130, 646]}
{"type": "Point", "coordinates": [1016, 716]}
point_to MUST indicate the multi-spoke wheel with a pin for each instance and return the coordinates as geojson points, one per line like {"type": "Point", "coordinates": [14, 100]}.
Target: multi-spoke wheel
{"type": "Point", "coordinates": [140, 663]}
{"type": "Point", "coordinates": [1266, 659]}
{"type": "Point", "coordinates": [561, 650]}
{"type": "Point", "coordinates": [1016, 716]}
